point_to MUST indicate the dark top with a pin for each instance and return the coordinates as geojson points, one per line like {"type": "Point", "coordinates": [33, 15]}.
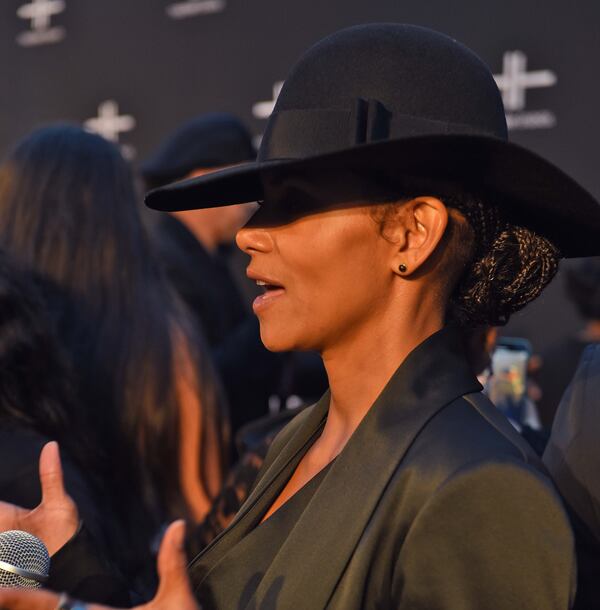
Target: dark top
{"type": "Point", "coordinates": [435, 502]}
{"type": "Point", "coordinates": [246, 563]}
{"type": "Point", "coordinates": [94, 576]}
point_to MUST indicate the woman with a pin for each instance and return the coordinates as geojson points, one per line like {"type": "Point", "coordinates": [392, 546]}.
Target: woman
{"type": "Point", "coordinates": [68, 212]}
{"type": "Point", "coordinates": [394, 212]}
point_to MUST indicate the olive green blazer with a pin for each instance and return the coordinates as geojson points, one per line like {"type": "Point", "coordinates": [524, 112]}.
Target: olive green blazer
{"type": "Point", "coordinates": [435, 503]}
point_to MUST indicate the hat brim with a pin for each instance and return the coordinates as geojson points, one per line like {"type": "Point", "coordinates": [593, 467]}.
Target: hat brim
{"type": "Point", "coordinates": [534, 192]}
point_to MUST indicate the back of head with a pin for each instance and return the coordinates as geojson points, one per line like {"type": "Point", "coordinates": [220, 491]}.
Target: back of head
{"type": "Point", "coordinates": [68, 210]}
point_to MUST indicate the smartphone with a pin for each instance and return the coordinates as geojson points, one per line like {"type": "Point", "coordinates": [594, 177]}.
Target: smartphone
{"type": "Point", "coordinates": [507, 384]}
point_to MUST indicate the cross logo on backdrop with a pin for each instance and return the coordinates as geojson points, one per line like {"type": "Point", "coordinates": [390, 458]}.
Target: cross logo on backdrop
{"type": "Point", "coordinates": [110, 125]}
{"type": "Point", "coordinates": [262, 110]}
{"type": "Point", "coordinates": [193, 8]}
{"type": "Point", "coordinates": [40, 12]}
{"type": "Point", "coordinates": [514, 82]}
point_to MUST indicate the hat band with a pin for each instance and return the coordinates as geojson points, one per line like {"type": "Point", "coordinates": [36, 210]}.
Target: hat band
{"type": "Point", "coordinates": [297, 134]}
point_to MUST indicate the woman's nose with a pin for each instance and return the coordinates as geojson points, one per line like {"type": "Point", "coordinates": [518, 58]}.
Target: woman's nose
{"type": "Point", "coordinates": [254, 239]}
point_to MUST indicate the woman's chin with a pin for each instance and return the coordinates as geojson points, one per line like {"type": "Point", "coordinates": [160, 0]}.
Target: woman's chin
{"type": "Point", "coordinates": [275, 344]}
{"type": "Point", "coordinates": [278, 340]}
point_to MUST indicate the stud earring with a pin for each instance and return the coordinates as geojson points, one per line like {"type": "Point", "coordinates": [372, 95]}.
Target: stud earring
{"type": "Point", "coordinates": [402, 268]}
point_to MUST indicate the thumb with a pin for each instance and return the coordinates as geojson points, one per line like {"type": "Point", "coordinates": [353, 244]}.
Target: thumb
{"type": "Point", "coordinates": [172, 564]}
{"type": "Point", "coordinates": [51, 475]}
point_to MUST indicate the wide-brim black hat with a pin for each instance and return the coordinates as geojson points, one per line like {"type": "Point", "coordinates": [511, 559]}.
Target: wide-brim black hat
{"type": "Point", "coordinates": [407, 105]}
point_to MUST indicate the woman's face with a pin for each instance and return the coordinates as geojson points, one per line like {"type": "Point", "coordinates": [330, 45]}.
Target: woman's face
{"type": "Point", "coordinates": [326, 275]}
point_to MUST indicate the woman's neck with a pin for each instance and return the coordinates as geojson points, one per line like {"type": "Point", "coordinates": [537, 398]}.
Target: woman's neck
{"type": "Point", "coordinates": [359, 370]}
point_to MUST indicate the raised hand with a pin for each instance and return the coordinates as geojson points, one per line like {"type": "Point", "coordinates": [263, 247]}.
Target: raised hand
{"type": "Point", "coordinates": [55, 519]}
{"type": "Point", "coordinates": [174, 591]}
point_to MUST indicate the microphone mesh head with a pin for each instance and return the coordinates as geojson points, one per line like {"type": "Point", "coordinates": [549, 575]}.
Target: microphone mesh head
{"type": "Point", "coordinates": [24, 551]}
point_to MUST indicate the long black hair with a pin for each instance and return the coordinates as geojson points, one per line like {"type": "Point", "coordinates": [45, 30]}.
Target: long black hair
{"type": "Point", "coordinates": [35, 381]}
{"type": "Point", "coordinates": [68, 211]}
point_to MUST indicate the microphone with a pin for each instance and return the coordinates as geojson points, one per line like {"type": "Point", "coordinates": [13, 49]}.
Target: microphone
{"type": "Point", "coordinates": [24, 560]}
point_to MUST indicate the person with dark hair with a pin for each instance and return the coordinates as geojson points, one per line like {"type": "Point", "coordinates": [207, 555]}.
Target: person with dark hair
{"type": "Point", "coordinates": [394, 212]}
{"type": "Point", "coordinates": [559, 361]}
{"type": "Point", "coordinates": [68, 213]}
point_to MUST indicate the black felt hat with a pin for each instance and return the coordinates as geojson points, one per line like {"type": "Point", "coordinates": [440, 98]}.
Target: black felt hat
{"type": "Point", "coordinates": [402, 102]}
{"type": "Point", "coordinates": [209, 140]}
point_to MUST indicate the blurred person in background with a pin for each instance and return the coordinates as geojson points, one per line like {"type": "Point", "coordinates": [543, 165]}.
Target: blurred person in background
{"type": "Point", "coordinates": [68, 213]}
{"type": "Point", "coordinates": [37, 405]}
{"type": "Point", "coordinates": [194, 247]}
{"type": "Point", "coordinates": [573, 459]}
{"type": "Point", "coordinates": [559, 362]}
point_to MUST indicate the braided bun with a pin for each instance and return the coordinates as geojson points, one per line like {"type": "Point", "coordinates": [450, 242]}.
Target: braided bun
{"type": "Point", "coordinates": [512, 272]}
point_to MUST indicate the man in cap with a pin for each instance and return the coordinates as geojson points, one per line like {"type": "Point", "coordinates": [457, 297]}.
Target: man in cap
{"type": "Point", "coordinates": [194, 248]}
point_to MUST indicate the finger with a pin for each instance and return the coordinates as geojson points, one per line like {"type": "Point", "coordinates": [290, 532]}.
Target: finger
{"type": "Point", "coordinates": [51, 476]}
{"type": "Point", "coordinates": [24, 599]}
{"type": "Point", "coordinates": [172, 562]}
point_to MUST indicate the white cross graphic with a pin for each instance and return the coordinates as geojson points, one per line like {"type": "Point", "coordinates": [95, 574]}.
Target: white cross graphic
{"type": "Point", "coordinates": [40, 12]}
{"type": "Point", "coordinates": [263, 110]}
{"type": "Point", "coordinates": [109, 123]}
{"type": "Point", "coordinates": [515, 80]}
{"type": "Point", "coordinates": [191, 8]}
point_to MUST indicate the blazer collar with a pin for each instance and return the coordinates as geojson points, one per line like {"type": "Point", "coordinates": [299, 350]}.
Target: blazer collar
{"type": "Point", "coordinates": [432, 376]}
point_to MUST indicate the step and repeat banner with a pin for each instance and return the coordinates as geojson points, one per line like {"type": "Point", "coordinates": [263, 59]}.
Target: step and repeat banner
{"type": "Point", "coordinates": [133, 70]}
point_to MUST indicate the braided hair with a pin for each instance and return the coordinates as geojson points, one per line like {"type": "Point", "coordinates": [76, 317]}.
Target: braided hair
{"type": "Point", "coordinates": [509, 267]}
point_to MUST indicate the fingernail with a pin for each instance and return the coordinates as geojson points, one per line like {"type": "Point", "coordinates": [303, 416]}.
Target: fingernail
{"type": "Point", "coordinates": [179, 539]}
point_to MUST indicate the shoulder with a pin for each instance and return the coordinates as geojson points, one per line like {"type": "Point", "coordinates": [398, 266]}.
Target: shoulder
{"type": "Point", "coordinates": [473, 449]}
{"type": "Point", "coordinates": [503, 536]}
{"type": "Point", "coordinates": [470, 430]}
{"type": "Point", "coordinates": [477, 496]}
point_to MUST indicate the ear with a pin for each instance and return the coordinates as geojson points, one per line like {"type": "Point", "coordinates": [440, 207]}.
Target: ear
{"type": "Point", "coordinates": [422, 225]}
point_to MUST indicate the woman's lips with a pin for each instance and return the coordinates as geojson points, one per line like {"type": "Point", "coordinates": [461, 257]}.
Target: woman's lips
{"type": "Point", "coordinates": [264, 300]}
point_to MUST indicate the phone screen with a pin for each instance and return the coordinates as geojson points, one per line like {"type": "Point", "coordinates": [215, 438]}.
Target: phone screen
{"type": "Point", "coordinates": [507, 384]}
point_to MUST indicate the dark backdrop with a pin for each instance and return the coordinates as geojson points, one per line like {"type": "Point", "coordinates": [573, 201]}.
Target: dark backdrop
{"type": "Point", "coordinates": [159, 62]}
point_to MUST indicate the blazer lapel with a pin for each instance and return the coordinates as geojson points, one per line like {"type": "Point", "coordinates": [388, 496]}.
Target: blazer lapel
{"type": "Point", "coordinates": [265, 492]}
{"type": "Point", "coordinates": [321, 543]}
